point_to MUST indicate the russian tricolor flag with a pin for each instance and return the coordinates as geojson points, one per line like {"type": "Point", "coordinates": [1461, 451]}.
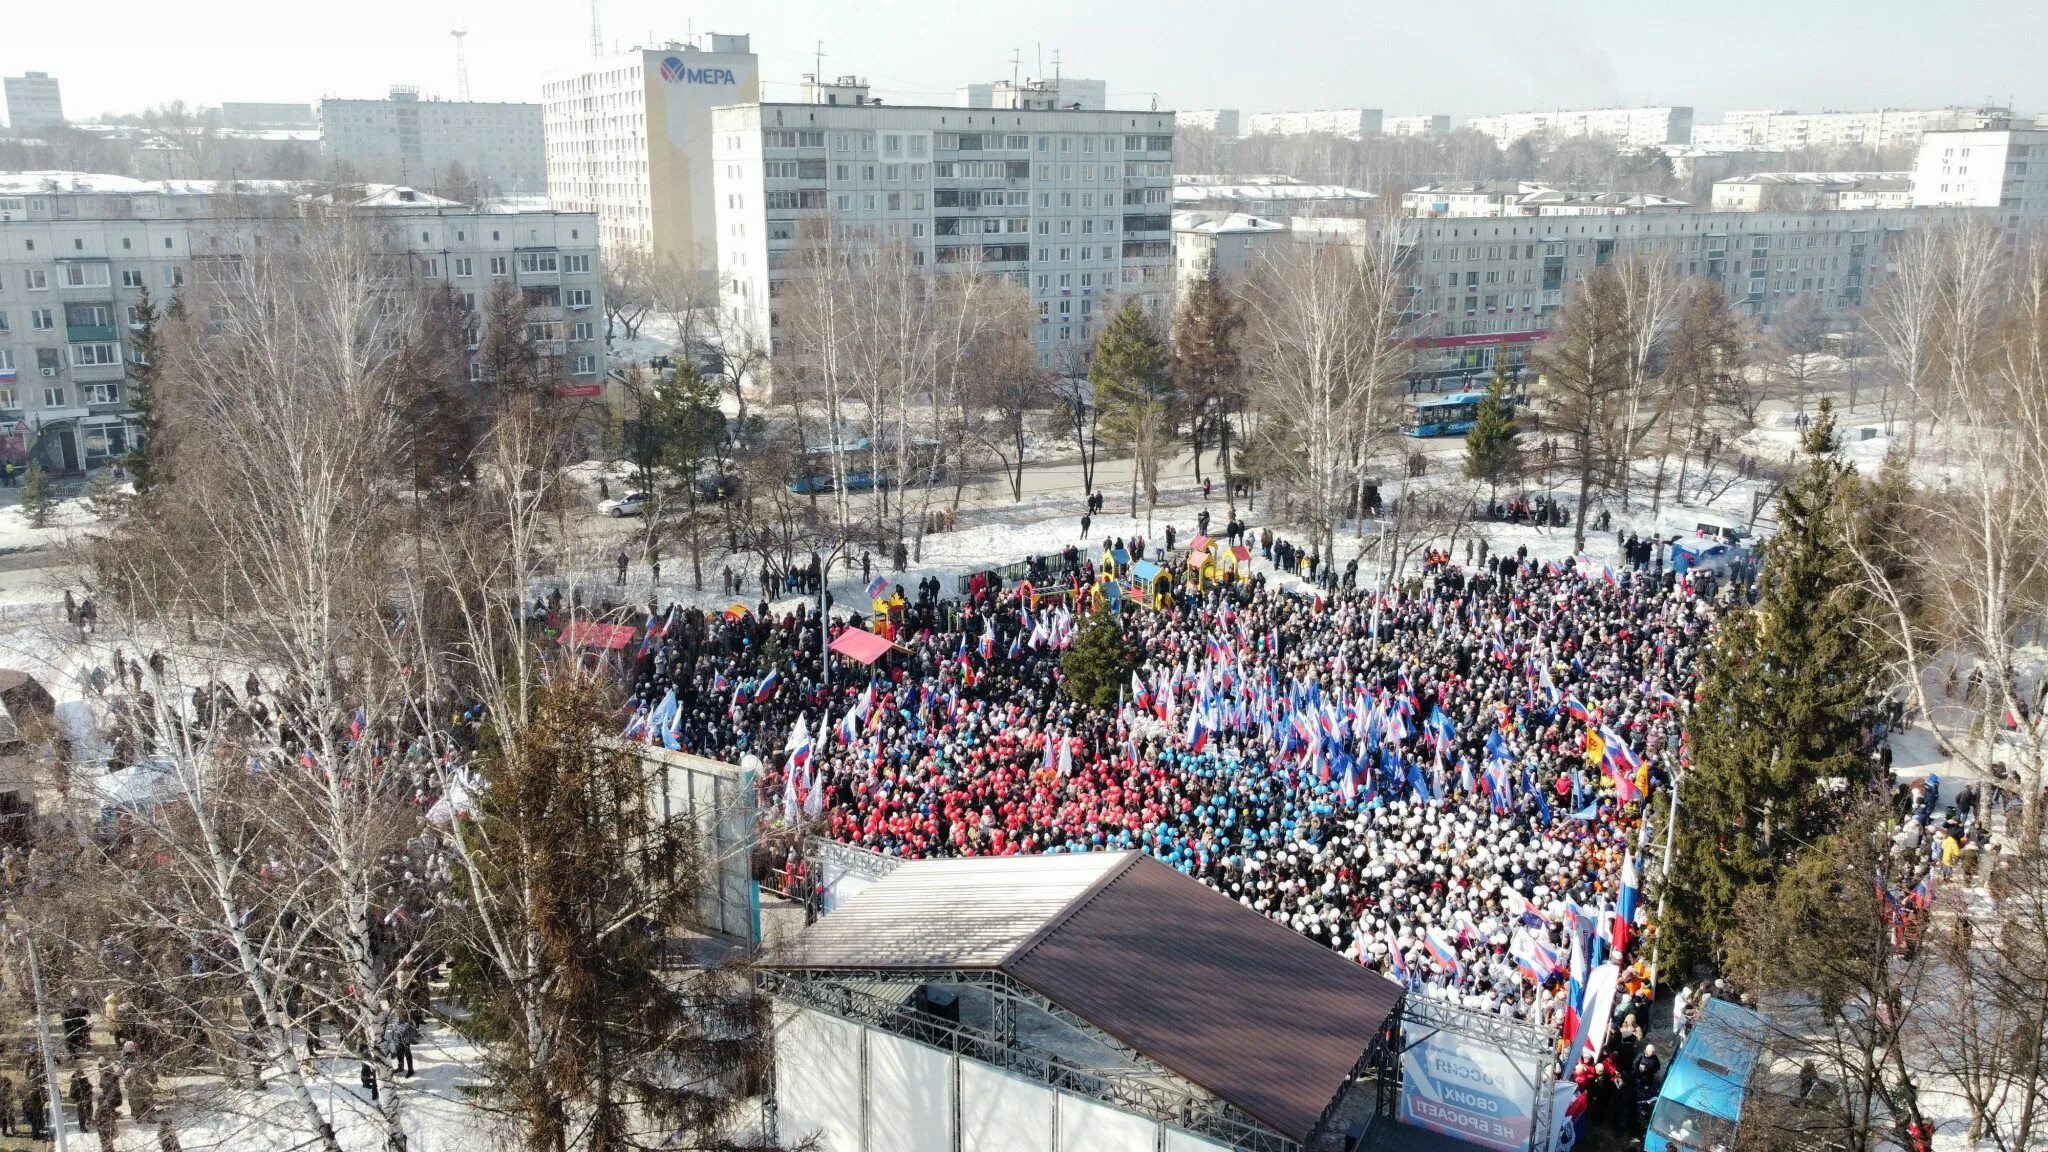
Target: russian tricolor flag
{"type": "Point", "coordinates": [1625, 904]}
{"type": "Point", "coordinates": [1440, 949]}
{"type": "Point", "coordinates": [768, 684]}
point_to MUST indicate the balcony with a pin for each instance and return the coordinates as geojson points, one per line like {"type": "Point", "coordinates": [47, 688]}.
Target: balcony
{"type": "Point", "coordinates": [85, 293]}
{"type": "Point", "coordinates": [94, 373]}
{"type": "Point", "coordinates": [89, 333]}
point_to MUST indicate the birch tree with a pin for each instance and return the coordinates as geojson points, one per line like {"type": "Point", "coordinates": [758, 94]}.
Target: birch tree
{"type": "Point", "coordinates": [1323, 327]}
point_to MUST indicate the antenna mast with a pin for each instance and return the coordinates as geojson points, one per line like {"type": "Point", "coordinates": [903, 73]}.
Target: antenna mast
{"type": "Point", "coordinates": [596, 33]}
{"type": "Point", "coordinates": [1016, 62]}
{"type": "Point", "coordinates": [461, 65]}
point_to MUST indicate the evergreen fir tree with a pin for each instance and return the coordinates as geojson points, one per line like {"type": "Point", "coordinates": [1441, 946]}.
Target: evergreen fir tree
{"type": "Point", "coordinates": [37, 498]}
{"type": "Point", "coordinates": [145, 456]}
{"type": "Point", "coordinates": [583, 880]}
{"type": "Point", "coordinates": [1493, 448]}
{"type": "Point", "coordinates": [1100, 661]}
{"type": "Point", "coordinates": [1135, 394]}
{"type": "Point", "coordinates": [1782, 703]}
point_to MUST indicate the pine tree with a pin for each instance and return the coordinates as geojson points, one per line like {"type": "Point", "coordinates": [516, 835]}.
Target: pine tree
{"type": "Point", "coordinates": [145, 456]}
{"type": "Point", "coordinates": [1136, 396]}
{"type": "Point", "coordinates": [1100, 661]}
{"type": "Point", "coordinates": [1782, 705]}
{"type": "Point", "coordinates": [1493, 448]}
{"type": "Point", "coordinates": [560, 960]}
{"type": "Point", "coordinates": [37, 499]}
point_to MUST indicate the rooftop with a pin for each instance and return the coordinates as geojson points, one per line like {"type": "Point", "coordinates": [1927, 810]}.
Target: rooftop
{"type": "Point", "coordinates": [56, 183]}
{"type": "Point", "coordinates": [1216, 993]}
{"type": "Point", "coordinates": [1224, 223]}
{"type": "Point", "coordinates": [1816, 178]}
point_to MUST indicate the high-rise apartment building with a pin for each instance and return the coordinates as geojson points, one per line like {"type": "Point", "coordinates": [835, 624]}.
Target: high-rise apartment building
{"type": "Point", "coordinates": [77, 251]}
{"type": "Point", "coordinates": [2002, 168]}
{"type": "Point", "coordinates": [1781, 131]}
{"type": "Point", "coordinates": [413, 141]}
{"type": "Point", "coordinates": [1075, 206]}
{"type": "Point", "coordinates": [1351, 122]}
{"type": "Point", "coordinates": [1436, 124]}
{"type": "Point", "coordinates": [629, 139]}
{"type": "Point", "coordinates": [33, 102]}
{"type": "Point", "coordinates": [1222, 121]}
{"type": "Point", "coordinates": [1628, 127]}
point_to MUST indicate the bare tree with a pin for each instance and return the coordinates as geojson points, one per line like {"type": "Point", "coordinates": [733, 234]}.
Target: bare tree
{"type": "Point", "coordinates": [1797, 343]}
{"type": "Point", "coordinates": [1586, 369]}
{"type": "Point", "coordinates": [275, 554]}
{"type": "Point", "coordinates": [1902, 315]}
{"type": "Point", "coordinates": [629, 293]}
{"type": "Point", "coordinates": [1323, 326]}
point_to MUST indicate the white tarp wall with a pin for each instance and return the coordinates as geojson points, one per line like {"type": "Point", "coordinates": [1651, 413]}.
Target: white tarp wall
{"type": "Point", "coordinates": [1100, 1128]}
{"type": "Point", "coordinates": [910, 1096]}
{"type": "Point", "coordinates": [859, 1090]}
{"type": "Point", "coordinates": [1002, 1113]}
{"type": "Point", "coordinates": [818, 1074]}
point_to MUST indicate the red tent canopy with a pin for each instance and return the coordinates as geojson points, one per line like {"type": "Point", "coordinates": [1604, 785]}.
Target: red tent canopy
{"type": "Point", "coordinates": [603, 637]}
{"type": "Point", "coordinates": [861, 644]}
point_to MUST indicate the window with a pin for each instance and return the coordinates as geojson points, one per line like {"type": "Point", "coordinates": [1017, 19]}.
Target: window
{"type": "Point", "coordinates": [499, 265]}
{"type": "Point", "coordinates": [586, 365]}
{"type": "Point", "coordinates": [577, 263]}
{"type": "Point", "coordinates": [41, 319]}
{"type": "Point", "coordinates": [10, 397]}
{"type": "Point", "coordinates": [892, 173]}
{"type": "Point", "coordinates": [892, 145]}
{"type": "Point", "coordinates": [895, 201]}
{"type": "Point", "coordinates": [95, 355]}
{"type": "Point", "coordinates": [465, 267]}
{"type": "Point", "coordinates": [53, 396]}
{"type": "Point", "coordinates": [538, 262]}
{"type": "Point", "coordinates": [581, 330]}
{"type": "Point", "coordinates": [842, 171]}
{"type": "Point", "coordinates": [867, 173]}
{"type": "Point", "coordinates": [35, 279]}
{"type": "Point", "coordinates": [131, 278]}
{"type": "Point", "coordinates": [102, 393]}
{"type": "Point", "coordinates": [174, 276]}
{"type": "Point", "coordinates": [3, 323]}
{"type": "Point", "coordinates": [577, 297]}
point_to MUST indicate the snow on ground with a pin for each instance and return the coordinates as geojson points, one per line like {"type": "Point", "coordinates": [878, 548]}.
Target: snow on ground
{"type": "Point", "coordinates": [67, 518]}
{"type": "Point", "coordinates": [438, 1116]}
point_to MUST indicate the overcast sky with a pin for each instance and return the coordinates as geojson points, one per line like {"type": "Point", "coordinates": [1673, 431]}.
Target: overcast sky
{"type": "Point", "coordinates": [1465, 58]}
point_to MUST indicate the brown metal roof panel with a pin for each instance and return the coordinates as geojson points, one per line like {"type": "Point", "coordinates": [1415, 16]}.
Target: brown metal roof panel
{"type": "Point", "coordinates": [1236, 1003]}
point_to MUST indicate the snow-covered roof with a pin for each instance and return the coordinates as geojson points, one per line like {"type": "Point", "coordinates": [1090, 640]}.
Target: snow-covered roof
{"type": "Point", "coordinates": [1224, 223]}
{"type": "Point", "coordinates": [511, 204]}
{"type": "Point", "coordinates": [59, 183]}
{"type": "Point", "coordinates": [382, 196]}
{"type": "Point", "coordinates": [1272, 193]}
{"type": "Point", "coordinates": [1817, 178]}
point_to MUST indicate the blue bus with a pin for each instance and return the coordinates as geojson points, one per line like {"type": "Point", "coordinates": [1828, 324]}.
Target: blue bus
{"type": "Point", "coordinates": [1700, 1105]}
{"type": "Point", "coordinates": [1449, 415]}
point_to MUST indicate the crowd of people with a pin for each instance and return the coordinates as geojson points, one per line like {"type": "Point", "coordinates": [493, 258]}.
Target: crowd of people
{"type": "Point", "coordinates": [1443, 782]}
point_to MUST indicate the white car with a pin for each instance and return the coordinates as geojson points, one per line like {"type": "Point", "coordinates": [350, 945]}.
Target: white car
{"type": "Point", "coordinates": [630, 504]}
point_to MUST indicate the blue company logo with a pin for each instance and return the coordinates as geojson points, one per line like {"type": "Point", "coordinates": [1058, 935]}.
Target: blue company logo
{"type": "Point", "coordinates": [673, 69]}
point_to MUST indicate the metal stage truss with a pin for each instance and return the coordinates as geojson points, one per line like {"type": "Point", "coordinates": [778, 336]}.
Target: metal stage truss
{"type": "Point", "coordinates": [1146, 1088]}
